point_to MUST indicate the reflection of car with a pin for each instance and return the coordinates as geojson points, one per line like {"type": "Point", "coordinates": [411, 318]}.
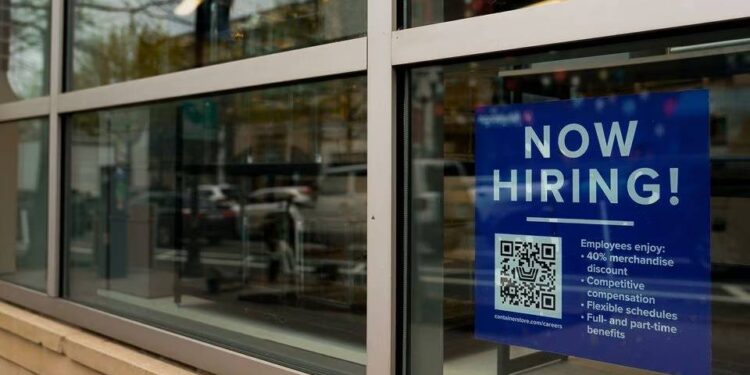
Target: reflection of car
{"type": "Point", "coordinates": [333, 230]}
{"type": "Point", "coordinates": [271, 203]}
{"type": "Point", "coordinates": [334, 238]}
{"type": "Point", "coordinates": [330, 218]}
{"type": "Point", "coordinates": [301, 195]}
{"type": "Point", "coordinates": [219, 193]}
{"type": "Point", "coordinates": [443, 208]}
{"type": "Point", "coordinates": [223, 194]}
{"type": "Point", "coordinates": [436, 180]}
{"type": "Point", "coordinates": [340, 207]}
{"type": "Point", "coordinates": [214, 220]}
{"type": "Point", "coordinates": [315, 235]}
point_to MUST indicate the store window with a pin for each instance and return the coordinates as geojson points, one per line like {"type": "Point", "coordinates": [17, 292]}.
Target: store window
{"type": "Point", "coordinates": [24, 49]}
{"type": "Point", "coordinates": [427, 12]}
{"type": "Point", "coordinates": [238, 219]}
{"type": "Point", "coordinates": [23, 193]}
{"type": "Point", "coordinates": [117, 40]}
{"type": "Point", "coordinates": [699, 289]}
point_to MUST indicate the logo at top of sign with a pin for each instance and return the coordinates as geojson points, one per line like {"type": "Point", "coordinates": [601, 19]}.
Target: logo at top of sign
{"type": "Point", "coordinates": [528, 271]}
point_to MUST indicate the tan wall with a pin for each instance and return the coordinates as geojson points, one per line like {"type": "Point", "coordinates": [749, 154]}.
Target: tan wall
{"type": "Point", "coordinates": [33, 344]}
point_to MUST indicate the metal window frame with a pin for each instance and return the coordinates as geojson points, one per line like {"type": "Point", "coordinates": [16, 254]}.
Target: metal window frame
{"type": "Point", "coordinates": [330, 59]}
{"type": "Point", "coordinates": [54, 165]}
{"type": "Point", "coordinates": [540, 27]}
{"type": "Point", "coordinates": [381, 189]}
{"type": "Point", "coordinates": [564, 22]}
{"type": "Point", "coordinates": [384, 50]}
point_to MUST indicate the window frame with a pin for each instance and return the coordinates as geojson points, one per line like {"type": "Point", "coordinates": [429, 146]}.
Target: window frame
{"type": "Point", "coordinates": [384, 54]}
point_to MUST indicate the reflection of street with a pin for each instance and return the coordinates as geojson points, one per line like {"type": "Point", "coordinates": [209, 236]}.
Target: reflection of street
{"type": "Point", "coordinates": [321, 289]}
{"type": "Point", "coordinates": [237, 218]}
{"type": "Point", "coordinates": [273, 263]}
{"type": "Point", "coordinates": [228, 316]}
{"type": "Point", "coordinates": [225, 255]}
{"type": "Point", "coordinates": [310, 251]}
{"type": "Point", "coordinates": [730, 304]}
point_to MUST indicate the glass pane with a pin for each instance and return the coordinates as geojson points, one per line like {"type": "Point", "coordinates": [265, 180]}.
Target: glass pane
{"type": "Point", "coordinates": [24, 49]}
{"type": "Point", "coordinates": [426, 12]}
{"type": "Point", "coordinates": [232, 218]}
{"type": "Point", "coordinates": [445, 190]}
{"type": "Point", "coordinates": [23, 193]}
{"type": "Point", "coordinates": [119, 40]}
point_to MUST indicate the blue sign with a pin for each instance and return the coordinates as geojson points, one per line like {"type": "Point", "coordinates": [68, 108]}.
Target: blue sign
{"type": "Point", "coordinates": [592, 229]}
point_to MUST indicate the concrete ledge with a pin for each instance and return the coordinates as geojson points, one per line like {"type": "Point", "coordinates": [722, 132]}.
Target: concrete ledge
{"type": "Point", "coordinates": [112, 358]}
{"type": "Point", "coordinates": [36, 359]}
{"type": "Point", "coordinates": [34, 328]}
{"type": "Point", "coordinates": [10, 368]}
{"type": "Point", "coordinates": [33, 344]}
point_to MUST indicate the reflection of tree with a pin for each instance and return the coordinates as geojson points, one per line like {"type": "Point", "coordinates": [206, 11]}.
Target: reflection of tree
{"type": "Point", "coordinates": [129, 52]}
{"type": "Point", "coordinates": [32, 130]}
{"type": "Point", "coordinates": [84, 127]}
{"type": "Point", "coordinates": [136, 8]}
{"type": "Point", "coordinates": [145, 37]}
{"type": "Point", "coordinates": [88, 12]}
{"type": "Point", "coordinates": [23, 48]}
{"type": "Point", "coordinates": [324, 119]}
{"type": "Point", "coordinates": [23, 26]}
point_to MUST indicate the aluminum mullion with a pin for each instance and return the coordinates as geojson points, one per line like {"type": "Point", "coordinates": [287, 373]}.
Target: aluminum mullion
{"type": "Point", "coordinates": [54, 150]}
{"type": "Point", "coordinates": [381, 190]}
{"type": "Point", "coordinates": [313, 62]}
{"type": "Point", "coordinates": [24, 109]}
{"type": "Point", "coordinates": [562, 22]}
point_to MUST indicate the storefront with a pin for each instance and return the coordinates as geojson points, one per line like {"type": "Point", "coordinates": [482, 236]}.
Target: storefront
{"type": "Point", "coordinates": [383, 187]}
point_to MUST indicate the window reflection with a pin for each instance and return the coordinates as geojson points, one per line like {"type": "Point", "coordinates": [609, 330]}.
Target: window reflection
{"type": "Point", "coordinates": [236, 218]}
{"type": "Point", "coordinates": [23, 195]}
{"type": "Point", "coordinates": [426, 12]}
{"type": "Point", "coordinates": [118, 40]}
{"type": "Point", "coordinates": [24, 46]}
{"type": "Point", "coordinates": [443, 100]}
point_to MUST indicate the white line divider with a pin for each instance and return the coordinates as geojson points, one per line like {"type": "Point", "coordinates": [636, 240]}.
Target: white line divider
{"type": "Point", "coordinates": [558, 220]}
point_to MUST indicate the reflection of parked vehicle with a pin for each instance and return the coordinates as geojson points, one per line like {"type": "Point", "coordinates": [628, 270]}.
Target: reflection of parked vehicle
{"type": "Point", "coordinates": [443, 208]}
{"type": "Point", "coordinates": [436, 180]}
{"type": "Point", "coordinates": [214, 220]}
{"type": "Point", "coordinates": [219, 193]}
{"type": "Point", "coordinates": [301, 195]}
{"type": "Point", "coordinates": [334, 238]}
{"type": "Point", "coordinates": [223, 194]}
{"type": "Point", "coordinates": [340, 205]}
{"type": "Point", "coordinates": [270, 203]}
{"type": "Point", "coordinates": [324, 233]}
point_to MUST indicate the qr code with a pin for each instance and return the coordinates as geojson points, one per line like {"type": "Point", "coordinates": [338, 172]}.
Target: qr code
{"type": "Point", "coordinates": [528, 271]}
